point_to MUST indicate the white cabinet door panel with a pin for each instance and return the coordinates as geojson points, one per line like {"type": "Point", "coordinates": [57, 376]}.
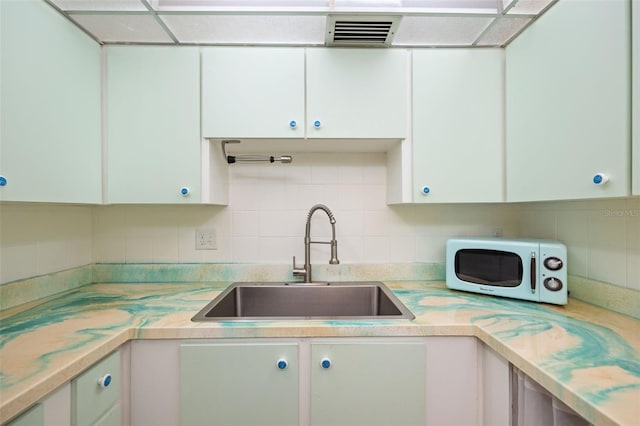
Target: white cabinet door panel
{"type": "Point", "coordinates": [50, 146]}
{"type": "Point", "coordinates": [253, 92]}
{"type": "Point", "coordinates": [238, 384]}
{"type": "Point", "coordinates": [153, 124]}
{"type": "Point", "coordinates": [458, 121]}
{"type": "Point", "coordinates": [357, 93]}
{"type": "Point", "coordinates": [568, 97]}
{"type": "Point", "coordinates": [368, 384]}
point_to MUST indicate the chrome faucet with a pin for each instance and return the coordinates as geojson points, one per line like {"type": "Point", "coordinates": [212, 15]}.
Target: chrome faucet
{"type": "Point", "coordinates": [306, 269]}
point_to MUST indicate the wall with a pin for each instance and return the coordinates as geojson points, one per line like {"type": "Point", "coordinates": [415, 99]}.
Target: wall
{"type": "Point", "coordinates": [36, 239]}
{"type": "Point", "coordinates": [264, 223]}
{"type": "Point", "coordinates": [602, 236]}
{"type": "Point", "coordinates": [265, 219]}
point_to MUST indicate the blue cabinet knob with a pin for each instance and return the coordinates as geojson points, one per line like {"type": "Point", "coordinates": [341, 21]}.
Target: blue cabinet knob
{"type": "Point", "coordinates": [185, 191]}
{"type": "Point", "coordinates": [426, 190]}
{"type": "Point", "coordinates": [600, 179]}
{"type": "Point", "coordinates": [325, 363]}
{"type": "Point", "coordinates": [282, 364]}
{"type": "Point", "coordinates": [3, 181]}
{"type": "Point", "coordinates": [316, 124]}
{"type": "Point", "coordinates": [105, 380]}
{"type": "Point", "coordinates": [293, 124]}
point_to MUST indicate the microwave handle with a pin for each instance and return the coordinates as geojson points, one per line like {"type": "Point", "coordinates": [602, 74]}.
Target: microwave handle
{"type": "Point", "coordinates": [533, 272]}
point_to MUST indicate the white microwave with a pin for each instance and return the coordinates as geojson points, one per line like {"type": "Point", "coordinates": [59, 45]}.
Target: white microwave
{"type": "Point", "coordinates": [526, 269]}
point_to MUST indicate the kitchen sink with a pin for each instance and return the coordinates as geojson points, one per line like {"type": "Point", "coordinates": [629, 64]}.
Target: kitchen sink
{"type": "Point", "coordinates": [335, 300]}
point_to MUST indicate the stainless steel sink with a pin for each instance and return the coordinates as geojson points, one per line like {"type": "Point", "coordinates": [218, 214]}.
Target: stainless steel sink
{"type": "Point", "coordinates": [270, 301]}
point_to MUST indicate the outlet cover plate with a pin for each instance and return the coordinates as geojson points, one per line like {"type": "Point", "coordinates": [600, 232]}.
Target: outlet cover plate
{"type": "Point", "coordinates": [206, 239]}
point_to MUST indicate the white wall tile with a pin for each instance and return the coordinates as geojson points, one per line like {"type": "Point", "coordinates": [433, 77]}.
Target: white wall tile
{"type": "Point", "coordinates": [602, 236]}
{"type": "Point", "coordinates": [39, 239]}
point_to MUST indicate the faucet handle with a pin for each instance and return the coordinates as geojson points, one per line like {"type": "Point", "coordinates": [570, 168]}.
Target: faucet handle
{"type": "Point", "coordinates": [297, 271]}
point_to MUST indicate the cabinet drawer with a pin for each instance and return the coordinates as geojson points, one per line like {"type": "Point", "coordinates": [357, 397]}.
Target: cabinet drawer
{"type": "Point", "coordinates": [90, 400]}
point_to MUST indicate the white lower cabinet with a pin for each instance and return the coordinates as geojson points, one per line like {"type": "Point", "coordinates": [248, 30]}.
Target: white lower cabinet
{"type": "Point", "coordinates": [95, 394]}
{"type": "Point", "coordinates": [239, 384]}
{"type": "Point", "coordinates": [318, 382]}
{"type": "Point", "coordinates": [34, 416]}
{"type": "Point", "coordinates": [362, 383]}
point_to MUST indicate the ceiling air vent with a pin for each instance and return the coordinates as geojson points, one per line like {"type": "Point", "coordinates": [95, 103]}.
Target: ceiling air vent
{"type": "Point", "coordinates": [346, 30]}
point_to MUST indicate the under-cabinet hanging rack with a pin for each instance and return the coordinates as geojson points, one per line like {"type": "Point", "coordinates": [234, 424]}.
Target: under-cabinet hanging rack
{"type": "Point", "coordinates": [251, 158]}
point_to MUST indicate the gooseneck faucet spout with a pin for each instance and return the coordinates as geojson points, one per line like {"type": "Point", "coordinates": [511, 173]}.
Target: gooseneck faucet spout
{"type": "Point", "coordinates": [306, 270]}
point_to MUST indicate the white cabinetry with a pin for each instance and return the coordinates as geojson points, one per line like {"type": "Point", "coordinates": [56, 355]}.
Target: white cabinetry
{"type": "Point", "coordinates": [495, 388]}
{"type": "Point", "coordinates": [50, 134]}
{"type": "Point", "coordinates": [458, 123]}
{"type": "Point", "coordinates": [153, 121]}
{"type": "Point", "coordinates": [328, 381]}
{"type": "Point", "coordinates": [568, 97]}
{"type": "Point", "coordinates": [297, 93]}
{"type": "Point", "coordinates": [357, 93]}
{"type": "Point", "coordinates": [239, 384]}
{"type": "Point", "coordinates": [253, 92]}
{"type": "Point", "coordinates": [34, 416]}
{"type": "Point", "coordinates": [363, 383]}
{"type": "Point", "coordinates": [95, 394]}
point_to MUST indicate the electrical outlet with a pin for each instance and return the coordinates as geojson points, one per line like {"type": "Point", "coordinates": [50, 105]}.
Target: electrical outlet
{"type": "Point", "coordinates": [206, 239]}
{"type": "Point", "coordinates": [496, 232]}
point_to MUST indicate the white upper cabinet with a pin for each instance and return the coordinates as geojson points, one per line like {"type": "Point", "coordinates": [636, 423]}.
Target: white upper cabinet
{"type": "Point", "coordinates": [253, 92]}
{"type": "Point", "coordinates": [304, 93]}
{"type": "Point", "coordinates": [458, 121]}
{"type": "Point", "coordinates": [153, 121]}
{"type": "Point", "coordinates": [568, 97]}
{"type": "Point", "coordinates": [50, 133]}
{"type": "Point", "coordinates": [357, 93]}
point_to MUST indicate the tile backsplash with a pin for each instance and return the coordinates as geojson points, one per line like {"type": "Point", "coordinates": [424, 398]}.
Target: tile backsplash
{"type": "Point", "coordinates": [265, 222]}
{"type": "Point", "coordinates": [266, 216]}
{"type": "Point", "coordinates": [602, 236]}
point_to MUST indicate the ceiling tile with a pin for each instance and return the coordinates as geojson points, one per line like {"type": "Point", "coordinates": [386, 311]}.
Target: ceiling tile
{"type": "Point", "coordinates": [530, 7]}
{"type": "Point", "coordinates": [502, 31]}
{"type": "Point", "coordinates": [439, 31]}
{"type": "Point", "coordinates": [247, 29]}
{"type": "Point", "coordinates": [102, 5]}
{"type": "Point", "coordinates": [123, 28]}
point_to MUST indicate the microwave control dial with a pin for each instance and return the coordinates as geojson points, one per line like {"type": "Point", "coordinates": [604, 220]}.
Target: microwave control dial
{"type": "Point", "coordinates": [553, 284]}
{"type": "Point", "coordinates": [553, 263]}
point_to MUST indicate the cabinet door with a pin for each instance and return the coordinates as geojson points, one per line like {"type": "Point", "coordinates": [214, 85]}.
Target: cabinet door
{"type": "Point", "coordinates": [91, 400]}
{"type": "Point", "coordinates": [368, 384]}
{"type": "Point", "coordinates": [356, 93]}
{"type": "Point", "coordinates": [496, 392]}
{"type": "Point", "coordinates": [568, 97]}
{"type": "Point", "coordinates": [239, 384]}
{"type": "Point", "coordinates": [253, 92]}
{"type": "Point", "coordinates": [50, 147]}
{"type": "Point", "coordinates": [458, 125]}
{"type": "Point", "coordinates": [153, 124]}
{"type": "Point", "coordinates": [34, 416]}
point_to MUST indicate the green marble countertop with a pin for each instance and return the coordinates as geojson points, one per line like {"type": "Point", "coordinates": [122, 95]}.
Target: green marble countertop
{"type": "Point", "coordinates": [587, 356]}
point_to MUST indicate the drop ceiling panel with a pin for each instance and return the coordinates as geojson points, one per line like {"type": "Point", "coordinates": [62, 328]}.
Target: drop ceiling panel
{"type": "Point", "coordinates": [502, 31]}
{"type": "Point", "coordinates": [440, 31]}
{"type": "Point", "coordinates": [530, 7]}
{"type": "Point", "coordinates": [102, 5]}
{"type": "Point", "coordinates": [124, 28]}
{"type": "Point", "coordinates": [247, 29]}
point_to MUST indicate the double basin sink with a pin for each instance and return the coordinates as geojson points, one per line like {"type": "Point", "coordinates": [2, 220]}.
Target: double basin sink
{"type": "Point", "coordinates": [322, 301]}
